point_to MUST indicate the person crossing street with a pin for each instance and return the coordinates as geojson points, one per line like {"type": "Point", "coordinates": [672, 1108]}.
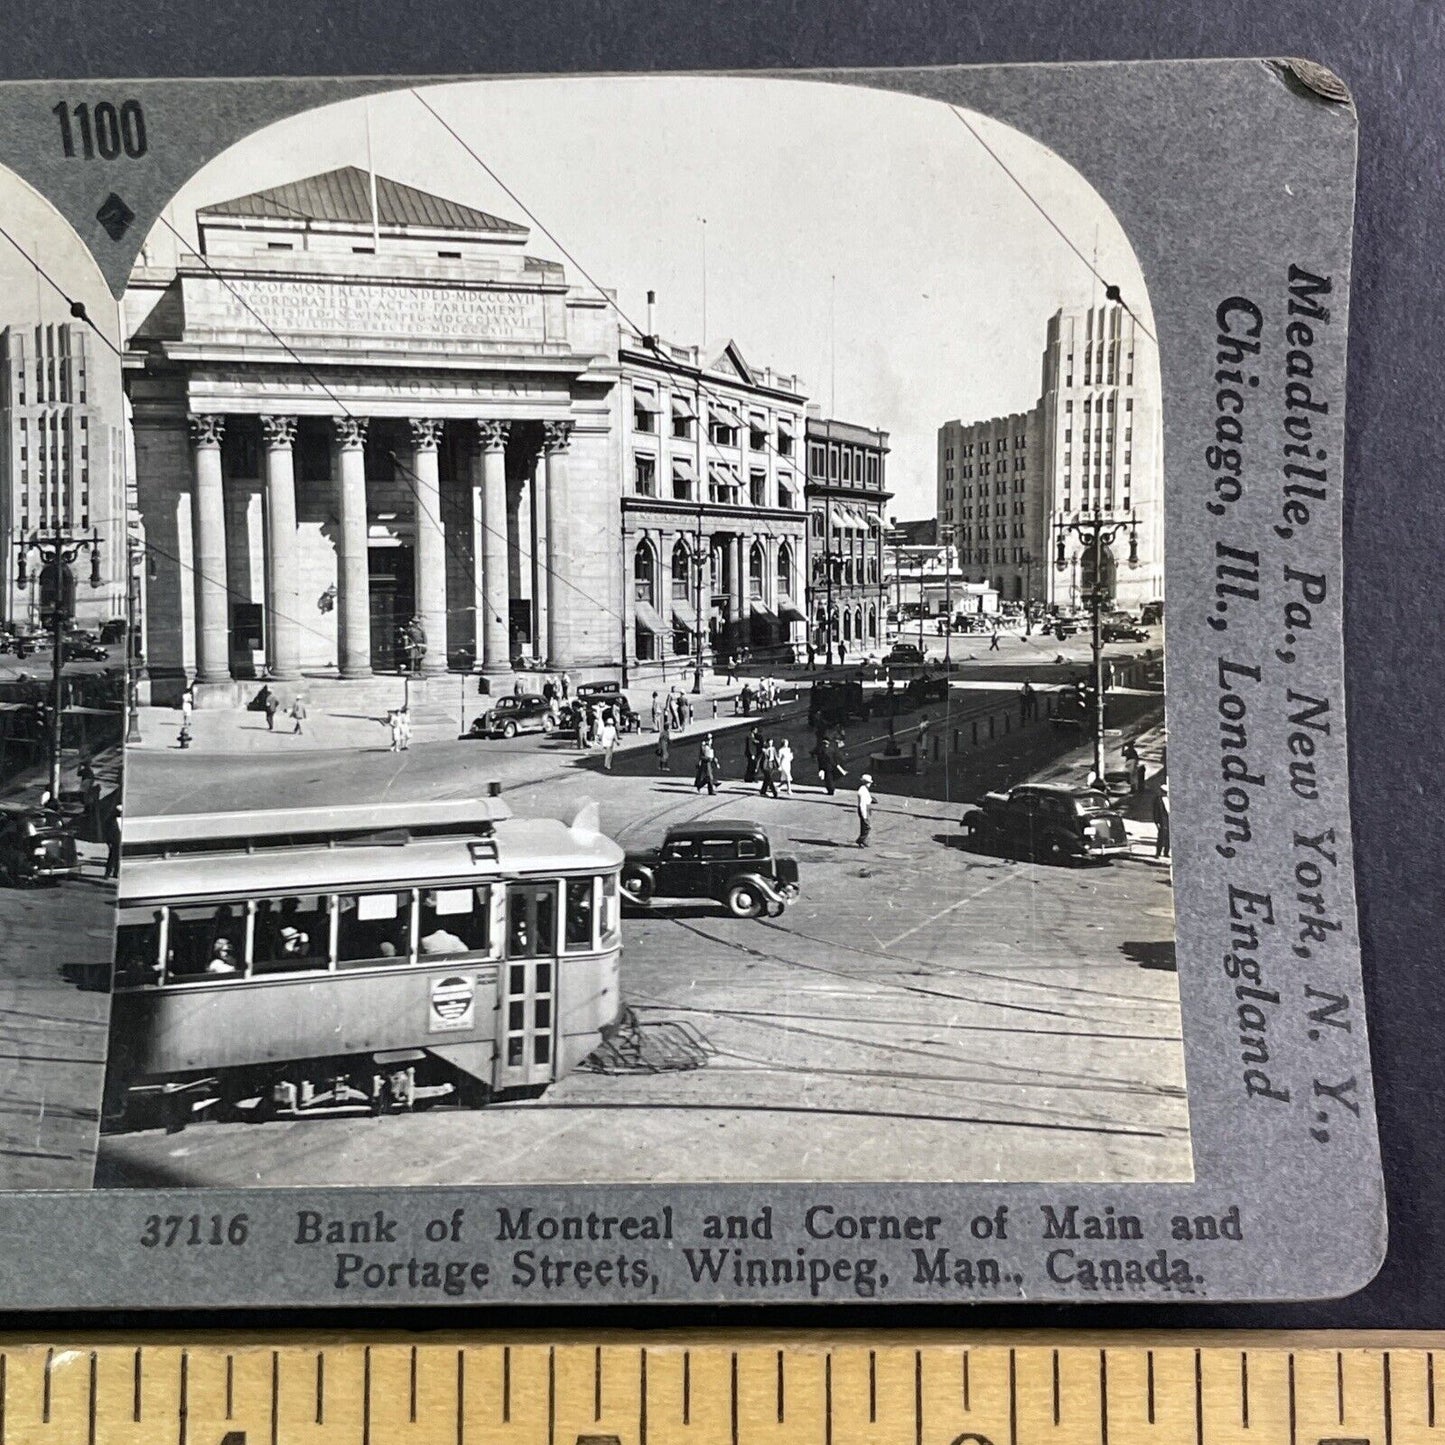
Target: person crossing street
{"type": "Point", "coordinates": [865, 809]}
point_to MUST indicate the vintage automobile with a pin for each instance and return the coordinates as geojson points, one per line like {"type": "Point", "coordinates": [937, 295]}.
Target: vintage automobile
{"type": "Point", "coordinates": [610, 694]}
{"type": "Point", "coordinates": [508, 716]}
{"type": "Point", "coordinates": [905, 654]}
{"type": "Point", "coordinates": [1063, 627]}
{"type": "Point", "coordinates": [1052, 822]}
{"type": "Point", "coordinates": [35, 846]}
{"type": "Point", "coordinates": [79, 648]}
{"type": "Point", "coordinates": [731, 861]}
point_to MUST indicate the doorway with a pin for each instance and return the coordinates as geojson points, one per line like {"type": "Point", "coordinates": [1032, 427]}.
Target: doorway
{"type": "Point", "coordinates": [393, 604]}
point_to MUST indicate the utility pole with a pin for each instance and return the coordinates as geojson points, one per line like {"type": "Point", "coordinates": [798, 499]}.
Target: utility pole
{"type": "Point", "coordinates": [1028, 560]}
{"type": "Point", "coordinates": [828, 572]}
{"type": "Point", "coordinates": [134, 657]}
{"type": "Point", "coordinates": [699, 563]}
{"type": "Point", "coordinates": [1097, 532]}
{"type": "Point", "coordinates": [55, 552]}
{"type": "Point", "coordinates": [948, 599]}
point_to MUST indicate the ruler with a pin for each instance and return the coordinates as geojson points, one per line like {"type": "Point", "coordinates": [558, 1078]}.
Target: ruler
{"type": "Point", "coordinates": [713, 1388]}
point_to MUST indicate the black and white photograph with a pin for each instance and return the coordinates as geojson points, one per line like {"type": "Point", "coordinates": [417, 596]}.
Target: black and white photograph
{"type": "Point", "coordinates": [649, 605]}
{"type": "Point", "coordinates": [65, 631]}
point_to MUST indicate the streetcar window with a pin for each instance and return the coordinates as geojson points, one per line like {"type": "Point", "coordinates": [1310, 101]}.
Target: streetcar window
{"type": "Point", "coordinates": [373, 927]}
{"type": "Point", "coordinates": [206, 941]}
{"type": "Point", "coordinates": [611, 912]}
{"type": "Point", "coordinates": [138, 949]}
{"type": "Point", "coordinates": [580, 912]}
{"type": "Point", "coordinates": [293, 934]}
{"type": "Point", "coordinates": [531, 921]}
{"type": "Point", "coordinates": [454, 920]}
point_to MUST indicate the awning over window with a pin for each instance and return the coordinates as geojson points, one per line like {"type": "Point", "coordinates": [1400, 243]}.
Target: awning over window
{"type": "Point", "coordinates": [645, 401]}
{"type": "Point", "coordinates": [647, 617]}
{"type": "Point", "coordinates": [788, 613]}
{"type": "Point", "coordinates": [684, 615]}
{"type": "Point", "coordinates": [723, 474]}
{"type": "Point", "coordinates": [682, 467]}
{"type": "Point", "coordinates": [682, 407]}
{"type": "Point", "coordinates": [761, 609]}
{"type": "Point", "coordinates": [724, 414]}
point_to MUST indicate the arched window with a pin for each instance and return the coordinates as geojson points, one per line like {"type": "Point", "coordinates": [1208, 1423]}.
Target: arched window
{"type": "Point", "coordinates": [848, 571]}
{"type": "Point", "coordinates": [644, 569]}
{"type": "Point", "coordinates": [756, 568]}
{"type": "Point", "coordinates": [681, 572]}
{"type": "Point", "coordinates": [872, 623]}
{"type": "Point", "coordinates": [785, 570]}
{"type": "Point", "coordinates": [847, 626]}
{"type": "Point", "coordinates": [858, 623]}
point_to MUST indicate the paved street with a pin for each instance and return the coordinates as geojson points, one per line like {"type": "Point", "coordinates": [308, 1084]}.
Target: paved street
{"type": "Point", "coordinates": [922, 1012]}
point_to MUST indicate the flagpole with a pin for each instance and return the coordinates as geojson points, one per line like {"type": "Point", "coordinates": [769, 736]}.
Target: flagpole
{"type": "Point", "coordinates": [371, 183]}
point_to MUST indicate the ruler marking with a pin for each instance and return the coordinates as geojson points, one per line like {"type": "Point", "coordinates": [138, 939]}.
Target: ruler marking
{"type": "Point", "coordinates": [45, 1391]}
{"type": "Point", "coordinates": [366, 1396]}
{"type": "Point", "coordinates": [506, 1385]}
{"type": "Point", "coordinates": [185, 1401]}
{"type": "Point", "coordinates": [1389, 1403]}
{"type": "Point", "coordinates": [781, 1401]}
{"type": "Point", "coordinates": [1198, 1397]}
{"type": "Point", "coordinates": [1430, 1388]}
{"type": "Point", "coordinates": [461, 1396]}
{"type": "Point", "coordinates": [687, 1387]}
{"type": "Point", "coordinates": [1013, 1400]}
{"type": "Point", "coordinates": [413, 1385]}
{"type": "Point", "coordinates": [230, 1384]}
{"type": "Point", "coordinates": [135, 1395]}
{"type": "Point", "coordinates": [642, 1399]}
{"type": "Point", "coordinates": [552, 1394]}
{"type": "Point", "coordinates": [275, 1397]}
{"type": "Point", "coordinates": [872, 1388]}
{"type": "Point", "coordinates": [597, 1383]}
{"type": "Point", "coordinates": [90, 1407]}
{"type": "Point", "coordinates": [1103, 1397]}
{"type": "Point", "coordinates": [1293, 1416]}
{"type": "Point", "coordinates": [966, 1404]}
{"type": "Point", "coordinates": [1056, 1387]}
{"type": "Point", "coordinates": [4, 1386]}
{"type": "Point", "coordinates": [734, 1399]}
{"type": "Point", "coordinates": [1244, 1388]}
{"type": "Point", "coordinates": [1149, 1383]}
{"type": "Point", "coordinates": [918, 1397]}
{"type": "Point", "coordinates": [320, 1388]}
{"type": "Point", "coordinates": [1340, 1386]}
{"type": "Point", "coordinates": [828, 1398]}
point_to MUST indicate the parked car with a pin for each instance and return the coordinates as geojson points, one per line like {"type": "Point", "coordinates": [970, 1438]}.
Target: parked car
{"type": "Point", "coordinates": [508, 716]}
{"type": "Point", "coordinates": [610, 694]}
{"type": "Point", "coordinates": [1122, 632]}
{"type": "Point", "coordinates": [82, 649]}
{"type": "Point", "coordinates": [35, 845]}
{"type": "Point", "coordinates": [1049, 821]}
{"type": "Point", "coordinates": [730, 861]}
{"type": "Point", "coordinates": [1063, 627]}
{"type": "Point", "coordinates": [905, 654]}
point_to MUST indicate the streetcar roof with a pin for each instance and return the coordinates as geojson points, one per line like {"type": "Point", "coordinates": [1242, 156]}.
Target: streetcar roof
{"type": "Point", "coordinates": [527, 847]}
{"type": "Point", "coordinates": [321, 823]}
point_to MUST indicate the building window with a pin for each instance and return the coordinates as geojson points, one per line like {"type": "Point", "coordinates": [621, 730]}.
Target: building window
{"type": "Point", "coordinates": [785, 491]}
{"type": "Point", "coordinates": [644, 570]}
{"type": "Point", "coordinates": [644, 411]}
{"type": "Point", "coordinates": [682, 418]}
{"type": "Point", "coordinates": [785, 439]}
{"type": "Point", "coordinates": [644, 643]}
{"type": "Point", "coordinates": [723, 485]}
{"type": "Point", "coordinates": [681, 574]}
{"type": "Point", "coordinates": [817, 459]}
{"type": "Point", "coordinates": [645, 475]}
{"type": "Point", "coordinates": [722, 429]}
{"type": "Point", "coordinates": [757, 433]}
{"type": "Point", "coordinates": [785, 570]}
{"type": "Point", "coordinates": [755, 572]}
{"type": "Point", "coordinates": [682, 480]}
{"type": "Point", "coordinates": [758, 487]}
{"type": "Point", "coordinates": [817, 524]}
{"type": "Point", "coordinates": [833, 463]}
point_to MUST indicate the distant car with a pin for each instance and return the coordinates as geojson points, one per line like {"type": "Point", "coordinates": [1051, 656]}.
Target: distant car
{"type": "Point", "coordinates": [509, 716]}
{"type": "Point", "coordinates": [1122, 632]}
{"type": "Point", "coordinates": [610, 694]}
{"type": "Point", "coordinates": [1063, 627]}
{"type": "Point", "coordinates": [730, 861]}
{"type": "Point", "coordinates": [84, 650]}
{"type": "Point", "coordinates": [905, 654]}
{"type": "Point", "coordinates": [35, 846]}
{"type": "Point", "coordinates": [835, 701]}
{"type": "Point", "coordinates": [1052, 822]}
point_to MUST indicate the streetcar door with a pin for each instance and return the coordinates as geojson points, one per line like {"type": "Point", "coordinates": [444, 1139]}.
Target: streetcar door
{"type": "Point", "coordinates": [528, 994]}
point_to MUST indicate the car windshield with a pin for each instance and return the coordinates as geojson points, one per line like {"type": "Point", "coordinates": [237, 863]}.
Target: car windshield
{"type": "Point", "coordinates": [509, 704]}
{"type": "Point", "coordinates": [1087, 804]}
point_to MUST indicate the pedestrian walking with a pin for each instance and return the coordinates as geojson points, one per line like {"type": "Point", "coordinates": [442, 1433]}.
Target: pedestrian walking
{"type": "Point", "coordinates": [112, 831]}
{"type": "Point", "coordinates": [1161, 821]}
{"type": "Point", "coordinates": [732, 667]}
{"type": "Point", "coordinates": [812, 658]}
{"type": "Point", "coordinates": [273, 706]}
{"type": "Point", "coordinates": [607, 737]}
{"type": "Point", "coordinates": [298, 716]}
{"type": "Point", "coordinates": [830, 764]}
{"type": "Point", "coordinates": [656, 713]}
{"type": "Point", "coordinates": [1133, 767]}
{"type": "Point", "coordinates": [785, 766]}
{"type": "Point", "coordinates": [404, 724]}
{"type": "Point", "coordinates": [842, 651]}
{"type": "Point", "coordinates": [768, 766]}
{"type": "Point", "coordinates": [706, 775]}
{"type": "Point", "coordinates": [993, 641]}
{"type": "Point", "coordinates": [752, 755]}
{"type": "Point", "coordinates": [685, 703]}
{"type": "Point", "coordinates": [188, 706]}
{"type": "Point", "coordinates": [865, 809]}
{"type": "Point", "coordinates": [1030, 701]}
{"type": "Point", "coordinates": [922, 741]}
{"type": "Point", "coordinates": [664, 748]}
{"type": "Point", "coordinates": [90, 799]}
{"type": "Point", "coordinates": [714, 709]}
{"type": "Point", "coordinates": [566, 684]}
{"type": "Point", "coordinates": [393, 722]}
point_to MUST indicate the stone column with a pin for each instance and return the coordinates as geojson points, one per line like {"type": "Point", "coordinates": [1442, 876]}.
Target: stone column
{"type": "Point", "coordinates": [283, 611]}
{"type": "Point", "coordinates": [557, 437]}
{"type": "Point", "coordinates": [353, 570]}
{"type": "Point", "coordinates": [490, 475]}
{"type": "Point", "coordinates": [514, 539]}
{"type": "Point", "coordinates": [740, 601]}
{"type": "Point", "coordinates": [430, 556]}
{"type": "Point", "coordinates": [208, 524]}
{"type": "Point", "coordinates": [537, 491]}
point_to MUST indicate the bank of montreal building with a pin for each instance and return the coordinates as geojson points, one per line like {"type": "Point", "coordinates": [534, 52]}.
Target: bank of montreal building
{"type": "Point", "coordinates": [341, 422]}
{"type": "Point", "coordinates": [1091, 443]}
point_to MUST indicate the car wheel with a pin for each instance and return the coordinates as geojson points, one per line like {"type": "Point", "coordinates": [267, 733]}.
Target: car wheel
{"type": "Point", "coordinates": [743, 901]}
{"type": "Point", "coordinates": [637, 886]}
{"type": "Point", "coordinates": [1055, 852]}
{"type": "Point", "coordinates": [509, 730]}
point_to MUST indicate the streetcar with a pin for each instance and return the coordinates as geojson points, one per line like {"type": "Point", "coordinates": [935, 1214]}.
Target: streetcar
{"type": "Point", "coordinates": [359, 958]}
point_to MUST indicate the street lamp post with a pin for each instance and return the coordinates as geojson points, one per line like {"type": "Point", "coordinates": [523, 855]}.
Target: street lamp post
{"type": "Point", "coordinates": [134, 658]}
{"type": "Point", "coordinates": [56, 551]}
{"type": "Point", "coordinates": [1096, 532]}
{"type": "Point", "coordinates": [1028, 560]}
{"type": "Point", "coordinates": [948, 599]}
{"type": "Point", "coordinates": [699, 564]}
